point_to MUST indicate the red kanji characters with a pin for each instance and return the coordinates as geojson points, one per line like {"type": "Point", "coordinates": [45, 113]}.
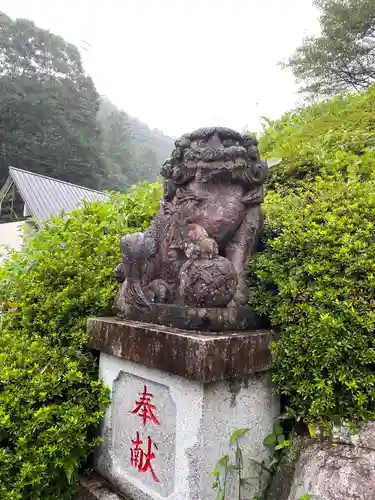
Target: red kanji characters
{"type": "Point", "coordinates": [136, 454]}
{"type": "Point", "coordinates": [144, 408]}
{"type": "Point", "coordinates": [141, 460]}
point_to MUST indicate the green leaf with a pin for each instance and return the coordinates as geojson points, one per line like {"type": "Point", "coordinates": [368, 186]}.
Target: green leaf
{"type": "Point", "coordinates": [238, 433]}
{"type": "Point", "coordinates": [270, 440]}
{"type": "Point", "coordinates": [239, 455]}
{"type": "Point", "coordinates": [273, 162]}
{"type": "Point", "coordinates": [278, 430]}
{"type": "Point", "coordinates": [312, 430]}
{"type": "Point", "coordinates": [69, 471]}
{"type": "Point", "coordinates": [223, 462]}
{"type": "Point", "coordinates": [283, 444]}
{"type": "Point", "coordinates": [280, 438]}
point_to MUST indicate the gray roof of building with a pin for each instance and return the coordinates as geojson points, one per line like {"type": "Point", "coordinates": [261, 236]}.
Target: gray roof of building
{"type": "Point", "coordinates": [46, 197]}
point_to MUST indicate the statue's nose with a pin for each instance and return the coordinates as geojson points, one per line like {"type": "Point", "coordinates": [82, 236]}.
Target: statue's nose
{"type": "Point", "coordinates": [215, 142]}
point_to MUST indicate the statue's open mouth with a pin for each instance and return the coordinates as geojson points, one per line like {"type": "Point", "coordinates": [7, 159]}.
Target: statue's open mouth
{"type": "Point", "coordinates": [221, 166]}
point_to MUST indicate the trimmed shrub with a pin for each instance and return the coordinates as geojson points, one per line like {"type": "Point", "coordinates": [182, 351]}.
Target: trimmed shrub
{"type": "Point", "coordinates": [316, 281]}
{"type": "Point", "coordinates": [50, 398]}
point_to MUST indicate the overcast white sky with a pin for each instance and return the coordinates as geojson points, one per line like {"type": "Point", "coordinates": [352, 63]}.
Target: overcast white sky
{"type": "Point", "coordinates": [182, 64]}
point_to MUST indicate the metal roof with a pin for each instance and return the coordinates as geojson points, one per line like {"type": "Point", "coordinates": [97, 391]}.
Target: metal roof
{"type": "Point", "coordinates": [46, 197]}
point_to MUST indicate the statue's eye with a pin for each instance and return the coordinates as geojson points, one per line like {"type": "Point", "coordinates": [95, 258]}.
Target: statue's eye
{"type": "Point", "coordinates": [202, 143]}
{"type": "Point", "coordinates": [229, 142]}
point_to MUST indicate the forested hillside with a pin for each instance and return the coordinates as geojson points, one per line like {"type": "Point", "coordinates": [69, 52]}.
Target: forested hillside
{"type": "Point", "coordinates": [54, 122]}
{"type": "Point", "coordinates": [132, 150]}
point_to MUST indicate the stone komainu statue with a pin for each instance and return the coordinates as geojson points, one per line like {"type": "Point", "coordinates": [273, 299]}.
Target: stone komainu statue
{"type": "Point", "coordinates": [196, 251]}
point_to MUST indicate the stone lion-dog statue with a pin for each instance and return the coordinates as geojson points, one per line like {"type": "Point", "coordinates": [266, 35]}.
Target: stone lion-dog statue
{"type": "Point", "coordinates": [196, 251]}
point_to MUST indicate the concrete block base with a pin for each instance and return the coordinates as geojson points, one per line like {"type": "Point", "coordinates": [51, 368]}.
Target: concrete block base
{"type": "Point", "coordinates": [169, 423]}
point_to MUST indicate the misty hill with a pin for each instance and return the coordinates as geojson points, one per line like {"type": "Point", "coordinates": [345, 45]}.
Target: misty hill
{"type": "Point", "coordinates": [132, 151]}
{"type": "Point", "coordinates": [50, 109]}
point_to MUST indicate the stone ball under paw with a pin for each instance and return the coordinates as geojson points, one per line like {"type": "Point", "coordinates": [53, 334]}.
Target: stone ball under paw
{"type": "Point", "coordinates": [208, 282]}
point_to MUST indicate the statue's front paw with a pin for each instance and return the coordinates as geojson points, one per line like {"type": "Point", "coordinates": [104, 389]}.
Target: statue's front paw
{"type": "Point", "coordinates": [240, 299]}
{"type": "Point", "coordinates": [158, 292]}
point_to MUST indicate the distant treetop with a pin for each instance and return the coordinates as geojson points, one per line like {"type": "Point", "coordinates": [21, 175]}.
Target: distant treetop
{"type": "Point", "coordinates": [342, 57]}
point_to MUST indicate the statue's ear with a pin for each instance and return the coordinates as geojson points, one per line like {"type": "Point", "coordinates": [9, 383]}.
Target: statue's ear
{"type": "Point", "coordinates": [249, 141]}
{"type": "Point", "coordinates": [177, 154]}
{"type": "Point", "coordinates": [166, 168]}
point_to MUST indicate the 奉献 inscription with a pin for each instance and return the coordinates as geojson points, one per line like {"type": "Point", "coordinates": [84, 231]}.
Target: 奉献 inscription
{"type": "Point", "coordinates": [144, 437]}
{"type": "Point", "coordinates": [140, 459]}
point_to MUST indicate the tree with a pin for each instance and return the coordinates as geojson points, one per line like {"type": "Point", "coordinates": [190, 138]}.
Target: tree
{"type": "Point", "coordinates": [342, 58]}
{"type": "Point", "coordinates": [132, 151]}
{"type": "Point", "coordinates": [117, 147]}
{"type": "Point", "coordinates": [48, 106]}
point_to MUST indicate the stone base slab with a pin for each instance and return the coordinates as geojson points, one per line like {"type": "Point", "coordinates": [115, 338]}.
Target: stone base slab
{"type": "Point", "coordinates": [211, 319]}
{"type": "Point", "coordinates": [93, 487]}
{"type": "Point", "coordinates": [194, 355]}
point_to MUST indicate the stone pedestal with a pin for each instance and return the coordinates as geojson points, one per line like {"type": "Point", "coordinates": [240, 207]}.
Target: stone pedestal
{"type": "Point", "coordinates": [176, 398]}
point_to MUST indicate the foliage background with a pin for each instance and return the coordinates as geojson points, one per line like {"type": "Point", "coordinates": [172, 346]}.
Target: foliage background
{"type": "Point", "coordinates": [336, 135]}
{"type": "Point", "coordinates": [315, 280]}
{"type": "Point", "coordinates": [50, 399]}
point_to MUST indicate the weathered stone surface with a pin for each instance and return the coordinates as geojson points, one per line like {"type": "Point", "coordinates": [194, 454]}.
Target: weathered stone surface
{"type": "Point", "coordinates": [281, 483]}
{"type": "Point", "coordinates": [363, 437]}
{"type": "Point", "coordinates": [193, 355]}
{"type": "Point", "coordinates": [212, 319]}
{"type": "Point", "coordinates": [197, 248]}
{"type": "Point", "coordinates": [337, 471]}
{"type": "Point", "coordinates": [207, 414]}
{"type": "Point", "coordinates": [93, 487]}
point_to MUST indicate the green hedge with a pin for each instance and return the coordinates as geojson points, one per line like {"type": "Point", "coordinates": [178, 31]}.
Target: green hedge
{"type": "Point", "coordinates": [316, 281]}
{"type": "Point", "coordinates": [316, 278]}
{"type": "Point", "coordinates": [50, 399]}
